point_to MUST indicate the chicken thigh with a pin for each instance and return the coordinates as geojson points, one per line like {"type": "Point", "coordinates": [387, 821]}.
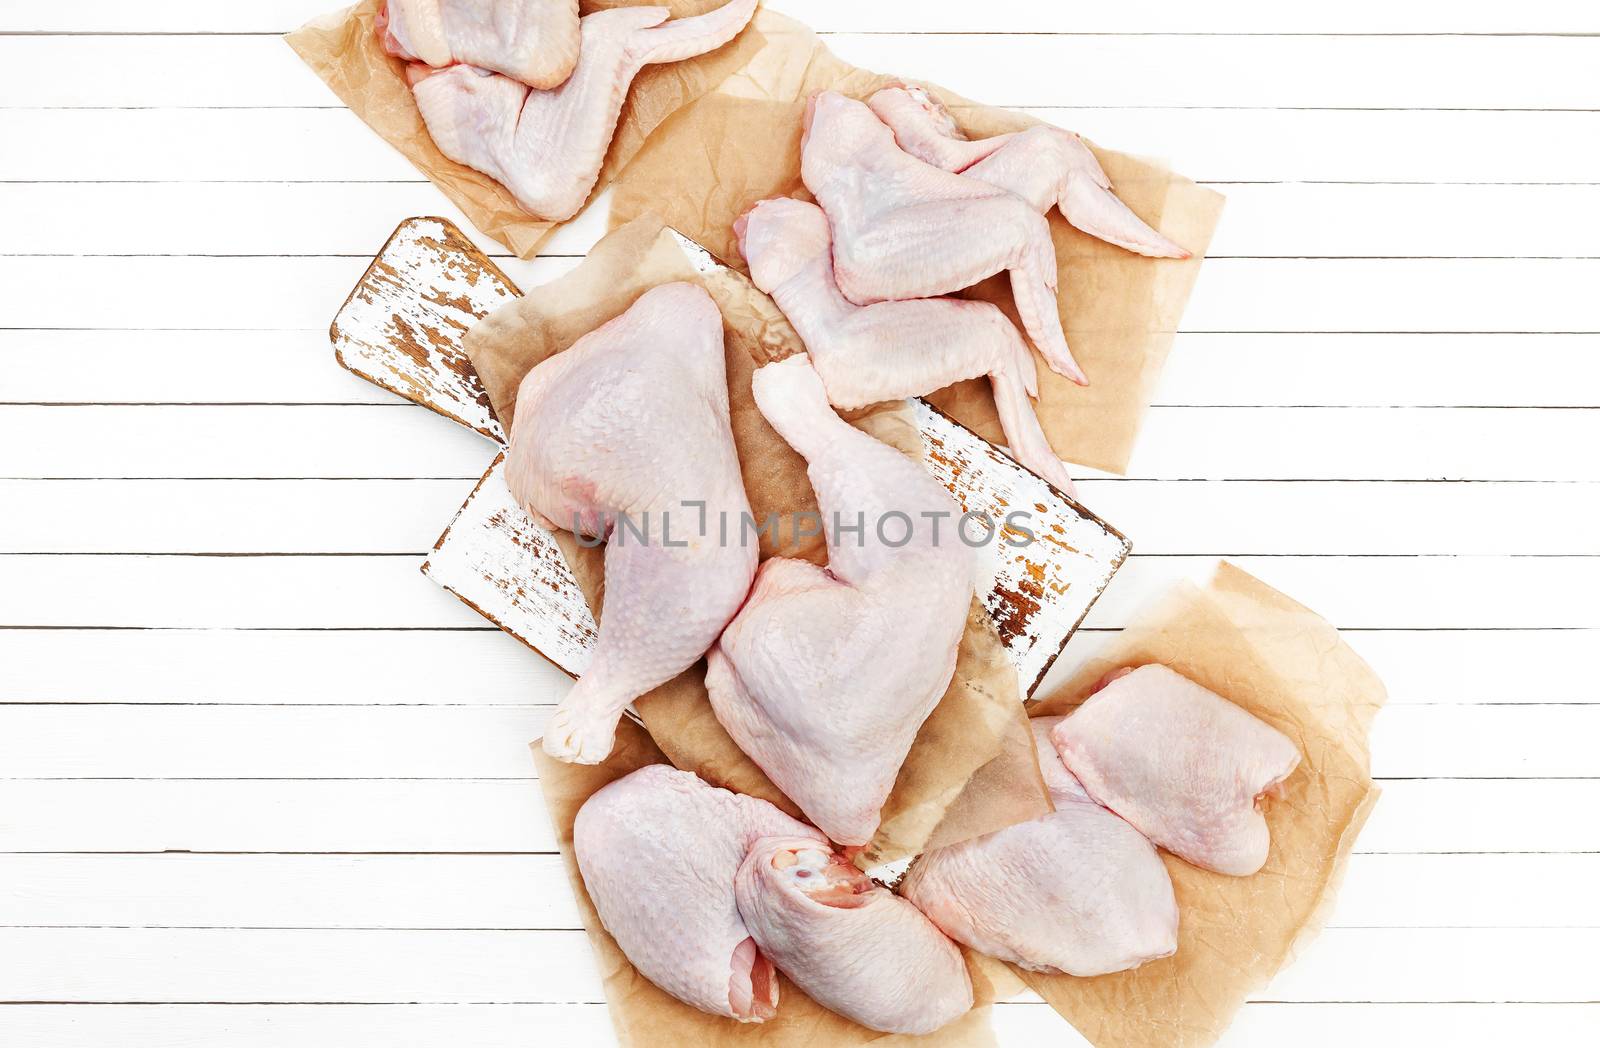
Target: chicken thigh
{"type": "Point", "coordinates": [546, 147]}
{"type": "Point", "coordinates": [890, 350]}
{"type": "Point", "coordinates": [659, 850]}
{"type": "Point", "coordinates": [1046, 166]}
{"type": "Point", "coordinates": [905, 229]}
{"type": "Point", "coordinates": [623, 437]}
{"type": "Point", "coordinates": [534, 41]}
{"type": "Point", "coordinates": [826, 674]}
{"type": "Point", "coordinates": [852, 946]}
{"type": "Point", "coordinates": [1184, 765]}
{"type": "Point", "coordinates": [1077, 891]}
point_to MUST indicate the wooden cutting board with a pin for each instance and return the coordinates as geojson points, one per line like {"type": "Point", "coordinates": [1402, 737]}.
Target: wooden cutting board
{"type": "Point", "coordinates": [402, 329]}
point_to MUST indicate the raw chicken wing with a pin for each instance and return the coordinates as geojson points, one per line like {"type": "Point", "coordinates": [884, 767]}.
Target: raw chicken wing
{"type": "Point", "coordinates": [534, 41]}
{"type": "Point", "coordinates": [891, 350]}
{"type": "Point", "coordinates": [659, 850]}
{"type": "Point", "coordinates": [906, 229]}
{"type": "Point", "coordinates": [546, 147]}
{"type": "Point", "coordinates": [852, 946]}
{"type": "Point", "coordinates": [1046, 166]}
{"type": "Point", "coordinates": [632, 421]}
{"type": "Point", "coordinates": [1077, 891]}
{"type": "Point", "coordinates": [826, 674]}
{"type": "Point", "coordinates": [1181, 763]}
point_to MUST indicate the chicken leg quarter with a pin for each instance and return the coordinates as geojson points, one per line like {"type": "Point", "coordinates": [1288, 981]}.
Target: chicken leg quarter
{"type": "Point", "coordinates": [632, 422]}
{"type": "Point", "coordinates": [1046, 166]}
{"type": "Point", "coordinates": [534, 41]}
{"type": "Point", "coordinates": [659, 850]}
{"type": "Point", "coordinates": [852, 946]}
{"type": "Point", "coordinates": [1077, 891]}
{"type": "Point", "coordinates": [546, 147]}
{"type": "Point", "coordinates": [905, 229]}
{"type": "Point", "coordinates": [890, 350]}
{"type": "Point", "coordinates": [826, 674]}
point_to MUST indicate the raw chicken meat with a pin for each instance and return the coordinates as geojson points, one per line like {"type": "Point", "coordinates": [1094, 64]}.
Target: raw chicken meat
{"type": "Point", "coordinates": [632, 421]}
{"type": "Point", "coordinates": [659, 850]}
{"type": "Point", "coordinates": [852, 946]}
{"type": "Point", "coordinates": [1077, 891]}
{"type": "Point", "coordinates": [1181, 763]}
{"type": "Point", "coordinates": [905, 229]}
{"type": "Point", "coordinates": [534, 41]}
{"type": "Point", "coordinates": [546, 147]}
{"type": "Point", "coordinates": [1046, 166]}
{"type": "Point", "coordinates": [826, 674]}
{"type": "Point", "coordinates": [890, 350]}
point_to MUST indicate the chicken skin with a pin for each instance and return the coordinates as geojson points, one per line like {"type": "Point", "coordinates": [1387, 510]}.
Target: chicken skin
{"type": "Point", "coordinates": [852, 946]}
{"type": "Point", "coordinates": [1184, 765]}
{"type": "Point", "coordinates": [659, 850]}
{"type": "Point", "coordinates": [1046, 166]}
{"type": "Point", "coordinates": [622, 437]}
{"type": "Point", "coordinates": [546, 147]}
{"type": "Point", "coordinates": [1078, 891]}
{"type": "Point", "coordinates": [890, 350]}
{"type": "Point", "coordinates": [906, 229]}
{"type": "Point", "coordinates": [533, 41]}
{"type": "Point", "coordinates": [826, 674]}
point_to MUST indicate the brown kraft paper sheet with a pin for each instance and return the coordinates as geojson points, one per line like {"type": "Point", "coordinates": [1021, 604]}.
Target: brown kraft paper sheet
{"type": "Point", "coordinates": [982, 707]}
{"type": "Point", "coordinates": [741, 143]}
{"type": "Point", "coordinates": [645, 1016]}
{"type": "Point", "coordinates": [1259, 649]}
{"type": "Point", "coordinates": [343, 49]}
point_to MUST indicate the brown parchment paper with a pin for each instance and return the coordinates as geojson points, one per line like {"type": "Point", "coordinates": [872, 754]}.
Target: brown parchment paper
{"type": "Point", "coordinates": [741, 143]}
{"type": "Point", "coordinates": [983, 703]}
{"type": "Point", "coordinates": [1255, 647]}
{"type": "Point", "coordinates": [645, 1016]}
{"type": "Point", "coordinates": [343, 49]}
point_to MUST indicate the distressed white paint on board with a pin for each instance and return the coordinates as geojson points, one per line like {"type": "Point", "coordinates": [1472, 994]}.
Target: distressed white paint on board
{"type": "Point", "coordinates": [402, 328]}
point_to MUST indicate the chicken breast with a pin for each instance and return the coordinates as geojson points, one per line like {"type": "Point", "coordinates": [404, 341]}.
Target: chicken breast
{"type": "Point", "coordinates": [1077, 891]}
{"type": "Point", "coordinates": [659, 850]}
{"type": "Point", "coordinates": [852, 946]}
{"type": "Point", "coordinates": [1184, 765]}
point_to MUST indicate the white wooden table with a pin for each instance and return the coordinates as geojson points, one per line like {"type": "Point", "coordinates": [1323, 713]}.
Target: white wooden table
{"type": "Point", "coordinates": [261, 783]}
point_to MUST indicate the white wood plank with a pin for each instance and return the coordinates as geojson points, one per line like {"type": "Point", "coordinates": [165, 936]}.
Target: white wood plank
{"type": "Point", "coordinates": [1415, 369]}
{"type": "Point", "coordinates": [261, 293]}
{"type": "Point", "coordinates": [1214, 145]}
{"type": "Point", "coordinates": [469, 815]}
{"type": "Point", "coordinates": [286, 815]}
{"type": "Point", "coordinates": [51, 965]}
{"type": "Point", "coordinates": [488, 668]}
{"type": "Point", "coordinates": [396, 440]}
{"type": "Point", "coordinates": [1201, 517]}
{"type": "Point", "coordinates": [1232, 294]}
{"type": "Point", "coordinates": [220, 516]}
{"type": "Point", "coordinates": [264, 218]}
{"type": "Point", "coordinates": [214, 367]}
{"type": "Point", "coordinates": [1260, 1025]}
{"type": "Point", "coordinates": [270, 742]}
{"type": "Point", "coordinates": [393, 439]}
{"type": "Point", "coordinates": [1529, 72]}
{"type": "Point", "coordinates": [1337, 1026]}
{"type": "Point", "coordinates": [476, 667]}
{"type": "Point", "coordinates": [1291, 220]}
{"type": "Point", "coordinates": [531, 892]}
{"type": "Point", "coordinates": [943, 16]}
{"type": "Point", "coordinates": [279, 592]}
